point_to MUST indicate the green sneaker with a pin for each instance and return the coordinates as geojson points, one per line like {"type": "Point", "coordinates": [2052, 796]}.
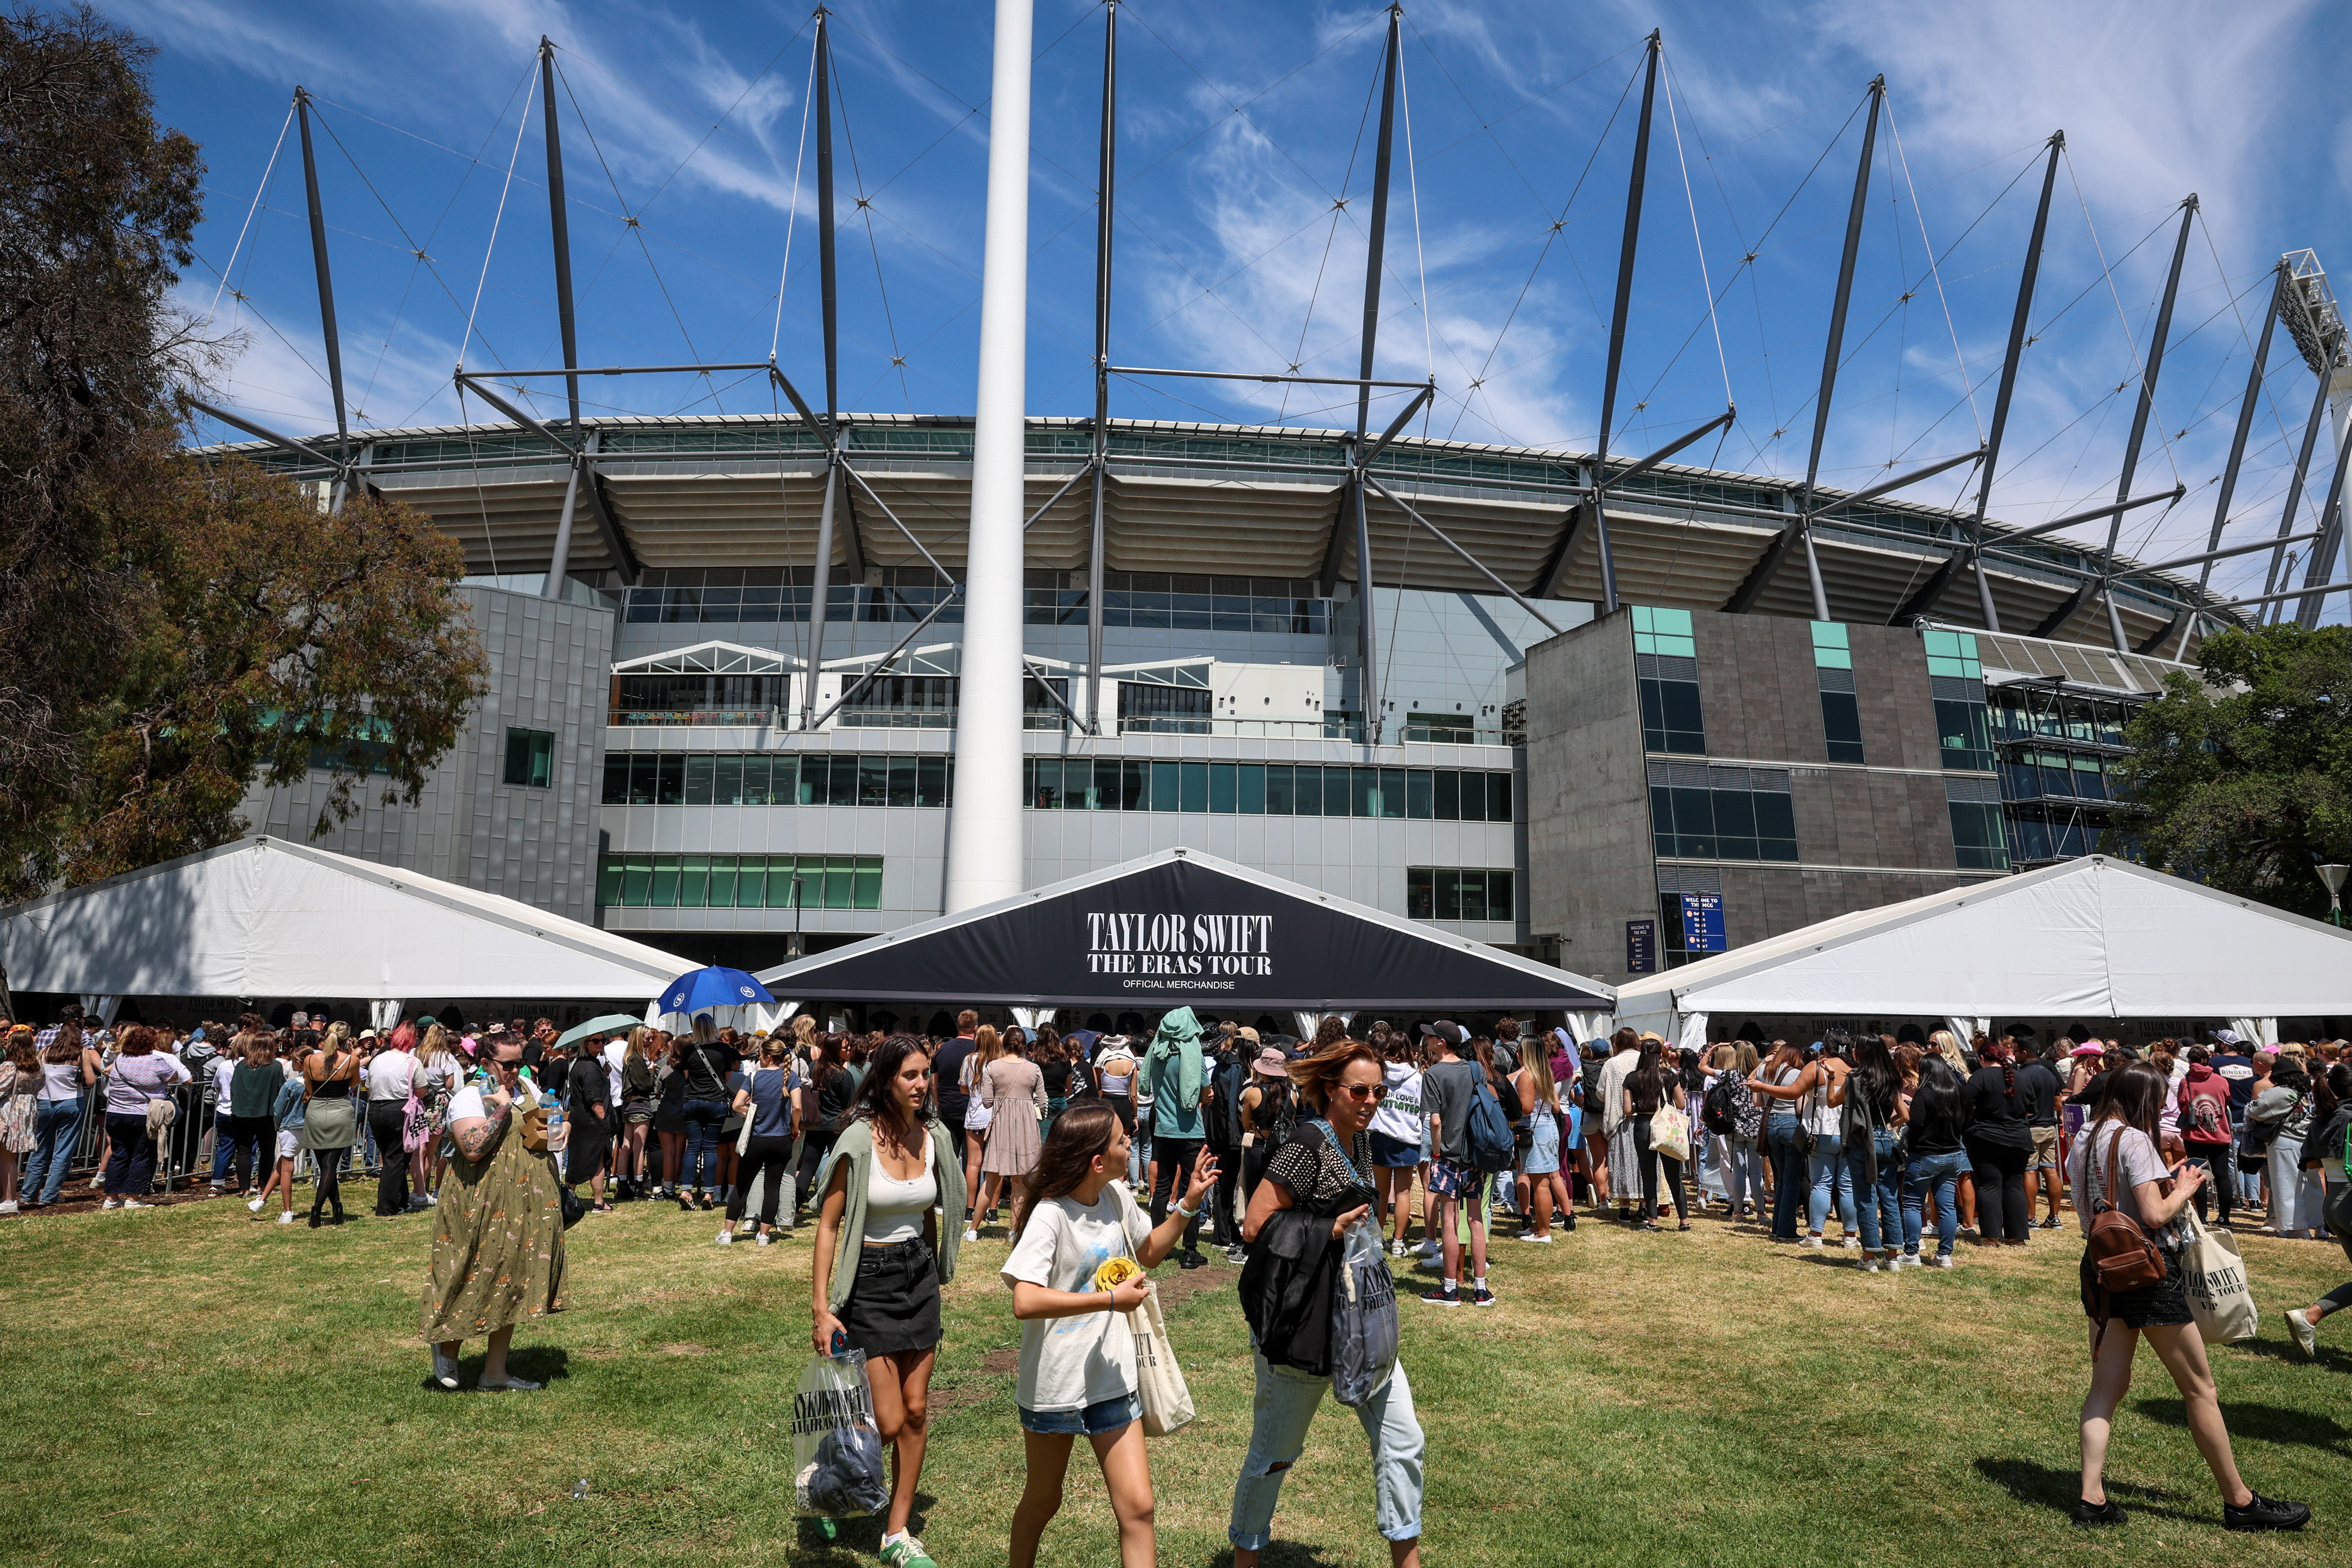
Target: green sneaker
{"type": "Point", "coordinates": [907, 1554]}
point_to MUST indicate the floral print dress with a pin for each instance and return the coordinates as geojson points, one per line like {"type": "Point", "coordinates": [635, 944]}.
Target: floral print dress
{"type": "Point", "coordinates": [498, 1243]}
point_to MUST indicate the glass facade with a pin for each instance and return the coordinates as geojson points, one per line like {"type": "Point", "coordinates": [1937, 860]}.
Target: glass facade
{"type": "Point", "coordinates": [1266, 789]}
{"type": "Point", "coordinates": [1840, 708]}
{"type": "Point", "coordinates": [681, 779]}
{"type": "Point", "coordinates": [1721, 813]}
{"type": "Point", "coordinates": [732, 596]}
{"type": "Point", "coordinates": [1435, 893]}
{"type": "Point", "coordinates": [1665, 668]}
{"type": "Point", "coordinates": [739, 881]}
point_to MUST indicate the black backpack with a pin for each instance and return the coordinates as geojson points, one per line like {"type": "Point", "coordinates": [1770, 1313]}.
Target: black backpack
{"type": "Point", "coordinates": [1715, 1113]}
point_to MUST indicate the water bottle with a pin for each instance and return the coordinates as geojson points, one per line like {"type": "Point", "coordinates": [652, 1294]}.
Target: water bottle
{"type": "Point", "coordinates": [554, 1120]}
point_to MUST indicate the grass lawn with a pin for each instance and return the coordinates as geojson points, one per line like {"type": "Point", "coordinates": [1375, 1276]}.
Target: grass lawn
{"type": "Point", "coordinates": [187, 1386]}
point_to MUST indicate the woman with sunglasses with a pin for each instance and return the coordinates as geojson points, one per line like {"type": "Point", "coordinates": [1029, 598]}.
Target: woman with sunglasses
{"type": "Point", "coordinates": [1323, 1173]}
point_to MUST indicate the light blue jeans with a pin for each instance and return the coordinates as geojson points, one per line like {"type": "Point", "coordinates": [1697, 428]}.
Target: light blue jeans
{"type": "Point", "coordinates": [1879, 1204]}
{"type": "Point", "coordinates": [1939, 1174]}
{"type": "Point", "coordinates": [1286, 1406]}
{"type": "Point", "coordinates": [55, 1124]}
{"type": "Point", "coordinates": [2297, 1199]}
{"type": "Point", "coordinates": [1828, 1168]}
{"type": "Point", "coordinates": [1744, 1171]}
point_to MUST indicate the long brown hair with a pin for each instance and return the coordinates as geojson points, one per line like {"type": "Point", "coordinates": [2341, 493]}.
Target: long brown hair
{"type": "Point", "coordinates": [2133, 1094]}
{"type": "Point", "coordinates": [20, 1049]}
{"type": "Point", "coordinates": [1079, 1134]}
{"type": "Point", "coordinates": [67, 1044]}
{"type": "Point", "coordinates": [1330, 1031]}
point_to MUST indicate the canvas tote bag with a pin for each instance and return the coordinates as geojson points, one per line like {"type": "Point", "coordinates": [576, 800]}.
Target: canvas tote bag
{"type": "Point", "coordinates": [2218, 1293]}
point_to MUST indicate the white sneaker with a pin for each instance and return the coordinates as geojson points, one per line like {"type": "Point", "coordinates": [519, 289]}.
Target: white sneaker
{"type": "Point", "coordinates": [727, 1237]}
{"type": "Point", "coordinates": [9, 1206]}
{"type": "Point", "coordinates": [765, 1240]}
{"type": "Point", "coordinates": [1845, 1241]}
{"type": "Point", "coordinates": [970, 1234]}
{"type": "Point", "coordinates": [1429, 1249]}
{"type": "Point", "coordinates": [253, 1205]}
{"type": "Point", "coordinates": [1397, 1249]}
{"type": "Point", "coordinates": [1813, 1241]}
{"type": "Point", "coordinates": [111, 1203]}
{"type": "Point", "coordinates": [1431, 1265]}
{"type": "Point", "coordinates": [1943, 1260]}
{"type": "Point", "coordinates": [134, 1203]}
{"type": "Point", "coordinates": [286, 1217]}
{"type": "Point", "coordinates": [1539, 1240]}
{"type": "Point", "coordinates": [445, 1371]}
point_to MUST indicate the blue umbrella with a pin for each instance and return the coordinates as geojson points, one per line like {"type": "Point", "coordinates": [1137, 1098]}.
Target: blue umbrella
{"type": "Point", "coordinates": [723, 993]}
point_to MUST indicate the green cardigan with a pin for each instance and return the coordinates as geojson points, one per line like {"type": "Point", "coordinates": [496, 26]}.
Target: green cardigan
{"type": "Point", "coordinates": [856, 1145]}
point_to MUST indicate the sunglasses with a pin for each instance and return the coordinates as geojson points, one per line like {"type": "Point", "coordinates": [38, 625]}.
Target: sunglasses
{"type": "Point", "coordinates": [1365, 1091]}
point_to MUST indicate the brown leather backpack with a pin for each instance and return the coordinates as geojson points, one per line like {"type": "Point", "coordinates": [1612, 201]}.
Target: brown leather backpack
{"type": "Point", "coordinates": [2122, 1253]}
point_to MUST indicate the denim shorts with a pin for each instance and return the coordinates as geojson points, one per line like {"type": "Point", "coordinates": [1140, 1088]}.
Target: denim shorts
{"type": "Point", "coordinates": [1103, 1415]}
{"type": "Point", "coordinates": [1394, 1153]}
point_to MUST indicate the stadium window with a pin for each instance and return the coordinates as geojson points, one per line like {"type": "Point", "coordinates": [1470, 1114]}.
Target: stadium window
{"type": "Point", "coordinates": [1691, 819]}
{"type": "Point", "coordinates": [1977, 836]}
{"type": "Point", "coordinates": [1842, 726]}
{"type": "Point", "coordinates": [1964, 731]}
{"type": "Point", "coordinates": [531, 758]}
{"type": "Point", "coordinates": [699, 772]}
{"type": "Point", "coordinates": [1670, 715]}
{"type": "Point", "coordinates": [1449, 893]}
{"type": "Point", "coordinates": [744, 881]}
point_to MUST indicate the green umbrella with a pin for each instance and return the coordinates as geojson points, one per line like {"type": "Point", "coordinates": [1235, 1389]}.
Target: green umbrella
{"type": "Point", "coordinates": [611, 1023]}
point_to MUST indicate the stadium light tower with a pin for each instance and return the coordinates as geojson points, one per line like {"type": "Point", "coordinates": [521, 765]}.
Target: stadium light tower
{"type": "Point", "coordinates": [2308, 308]}
{"type": "Point", "coordinates": [985, 848]}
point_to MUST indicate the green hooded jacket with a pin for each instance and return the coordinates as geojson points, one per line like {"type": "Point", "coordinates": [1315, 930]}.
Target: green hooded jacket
{"type": "Point", "coordinates": [1171, 1068]}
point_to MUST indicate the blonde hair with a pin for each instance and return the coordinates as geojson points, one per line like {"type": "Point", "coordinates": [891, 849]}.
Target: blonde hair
{"type": "Point", "coordinates": [1537, 1064]}
{"type": "Point", "coordinates": [1948, 1046]}
{"type": "Point", "coordinates": [987, 1045]}
{"type": "Point", "coordinates": [435, 1045]}
{"type": "Point", "coordinates": [640, 1043]}
{"type": "Point", "coordinates": [339, 1034]}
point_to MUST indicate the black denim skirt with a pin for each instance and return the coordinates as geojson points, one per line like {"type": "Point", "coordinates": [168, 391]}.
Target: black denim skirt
{"type": "Point", "coordinates": [894, 1304]}
{"type": "Point", "coordinates": [2164, 1304]}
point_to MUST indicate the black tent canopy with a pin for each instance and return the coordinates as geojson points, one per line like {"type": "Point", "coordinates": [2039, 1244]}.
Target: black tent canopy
{"type": "Point", "coordinates": [1181, 928]}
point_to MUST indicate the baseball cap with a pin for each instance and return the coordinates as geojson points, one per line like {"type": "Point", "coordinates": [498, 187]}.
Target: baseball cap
{"type": "Point", "coordinates": [1446, 1028]}
{"type": "Point", "coordinates": [1248, 1034]}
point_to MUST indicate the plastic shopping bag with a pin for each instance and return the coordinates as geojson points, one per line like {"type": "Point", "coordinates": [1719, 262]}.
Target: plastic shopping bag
{"type": "Point", "coordinates": [1158, 1382]}
{"type": "Point", "coordinates": [2218, 1293]}
{"type": "Point", "coordinates": [837, 1466]}
{"type": "Point", "coordinates": [1363, 1318]}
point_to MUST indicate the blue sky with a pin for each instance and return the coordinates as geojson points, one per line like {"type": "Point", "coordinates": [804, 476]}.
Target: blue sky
{"type": "Point", "coordinates": [1242, 126]}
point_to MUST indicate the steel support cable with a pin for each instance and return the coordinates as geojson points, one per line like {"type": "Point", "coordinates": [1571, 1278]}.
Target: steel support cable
{"type": "Point", "coordinates": [531, 94]}
{"type": "Point", "coordinates": [415, 248]}
{"type": "Point", "coordinates": [1429, 352]}
{"type": "Point", "coordinates": [1706, 283]}
{"type": "Point", "coordinates": [1921, 218]}
{"type": "Point", "coordinates": [474, 458]}
{"type": "Point", "coordinates": [1297, 356]}
{"type": "Point", "coordinates": [1238, 110]}
{"type": "Point", "coordinates": [1557, 226]}
{"type": "Point", "coordinates": [1487, 127]}
{"type": "Point", "coordinates": [1501, 150]}
{"type": "Point", "coordinates": [269, 172]}
{"type": "Point", "coordinates": [865, 205]}
{"type": "Point", "coordinates": [245, 302]}
{"type": "Point", "coordinates": [633, 226]}
{"type": "Point", "coordinates": [2107, 273]}
{"type": "Point", "coordinates": [792, 212]}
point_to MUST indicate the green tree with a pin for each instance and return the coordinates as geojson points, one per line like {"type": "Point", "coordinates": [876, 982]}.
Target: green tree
{"type": "Point", "coordinates": [171, 630]}
{"type": "Point", "coordinates": [2244, 779]}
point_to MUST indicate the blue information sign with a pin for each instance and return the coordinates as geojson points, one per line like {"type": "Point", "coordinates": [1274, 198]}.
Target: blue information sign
{"type": "Point", "coordinates": [1703, 923]}
{"type": "Point", "coordinates": [1641, 946]}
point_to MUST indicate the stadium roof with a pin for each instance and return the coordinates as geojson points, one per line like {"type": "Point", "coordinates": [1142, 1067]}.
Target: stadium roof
{"type": "Point", "coordinates": [1216, 500]}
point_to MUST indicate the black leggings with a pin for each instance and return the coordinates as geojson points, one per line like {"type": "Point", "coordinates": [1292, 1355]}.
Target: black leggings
{"type": "Point", "coordinates": [331, 1188]}
{"type": "Point", "coordinates": [2001, 1211]}
{"type": "Point", "coordinates": [2221, 1181]}
{"type": "Point", "coordinates": [774, 1158]}
{"type": "Point", "coordinates": [815, 1146]}
{"type": "Point", "coordinates": [1650, 1174]}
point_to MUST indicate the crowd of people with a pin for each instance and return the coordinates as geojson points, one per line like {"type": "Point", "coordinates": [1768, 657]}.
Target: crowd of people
{"type": "Point", "coordinates": [1096, 1143]}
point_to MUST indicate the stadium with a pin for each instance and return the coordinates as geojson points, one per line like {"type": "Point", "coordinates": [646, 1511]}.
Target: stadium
{"type": "Point", "coordinates": [1548, 698]}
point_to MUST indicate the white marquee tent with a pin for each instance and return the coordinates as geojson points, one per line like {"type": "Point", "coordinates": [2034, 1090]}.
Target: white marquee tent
{"type": "Point", "coordinates": [262, 917]}
{"type": "Point", "coordinates": [2095, 938]}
